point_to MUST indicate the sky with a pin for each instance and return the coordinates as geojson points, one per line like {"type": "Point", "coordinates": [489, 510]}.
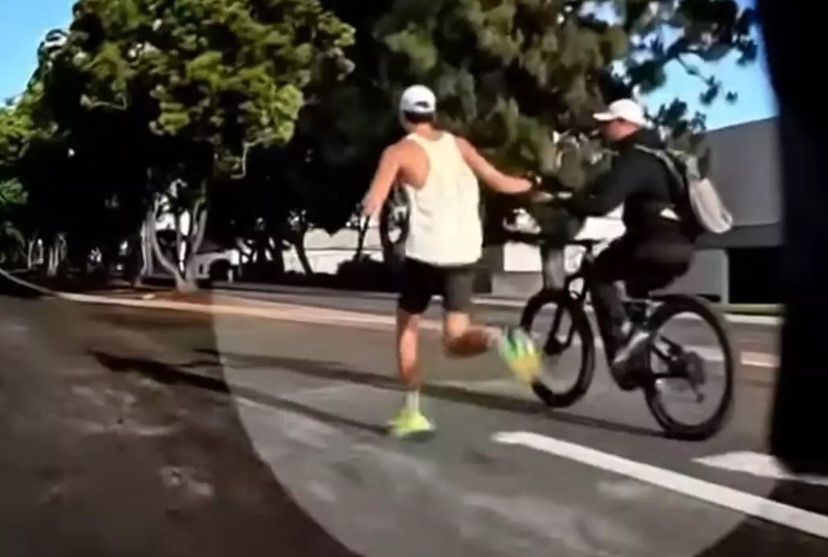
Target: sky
{"type": "Point", "coordinates": [23, 23]}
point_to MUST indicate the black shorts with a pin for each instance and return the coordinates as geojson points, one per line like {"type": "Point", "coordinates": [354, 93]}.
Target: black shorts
{"type": "Point", "coordinates": [420, 281]}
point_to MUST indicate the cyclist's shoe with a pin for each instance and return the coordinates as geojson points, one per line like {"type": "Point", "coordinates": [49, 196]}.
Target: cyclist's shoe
{"type": "Point", "coordinates": [409, 423]}
{"type": "Point", "coordinates": [635, 340]}
{"type": "Point", "coordinates": [519, 352]}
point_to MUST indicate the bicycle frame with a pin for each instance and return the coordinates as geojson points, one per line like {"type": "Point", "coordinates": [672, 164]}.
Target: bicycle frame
{"type": "Point", "coordinates": [637, 310]}
{"type": "Point", "coordinates": [583, 273]}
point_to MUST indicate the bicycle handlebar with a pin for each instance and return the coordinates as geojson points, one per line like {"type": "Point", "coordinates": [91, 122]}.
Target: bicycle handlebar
{"type": "Point", "coordinates": [550, 197]}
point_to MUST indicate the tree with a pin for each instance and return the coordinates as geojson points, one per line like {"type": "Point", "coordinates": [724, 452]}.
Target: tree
{"type": "Point", "coordinates": [12, 239]}
{"type": "Point", "coordinates": [163, 99]}
{"type": "Point", "coordinates": [522, 77]}
{"type": "Point", "coordinates": [36, 168]}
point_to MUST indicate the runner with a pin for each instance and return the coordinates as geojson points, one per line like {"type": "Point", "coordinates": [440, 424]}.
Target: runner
{"type": "Point", "coordinates": [439, 173]}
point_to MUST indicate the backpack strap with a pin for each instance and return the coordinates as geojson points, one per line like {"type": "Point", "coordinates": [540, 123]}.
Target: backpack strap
{"type": "Point", "coordinates": [668, 161]}
{"type": "Point", "coordinates": [664, 157]}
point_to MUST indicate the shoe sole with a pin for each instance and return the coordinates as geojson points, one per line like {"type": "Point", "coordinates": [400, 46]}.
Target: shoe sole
{"type": "Point", "coordinates": [418, 435]}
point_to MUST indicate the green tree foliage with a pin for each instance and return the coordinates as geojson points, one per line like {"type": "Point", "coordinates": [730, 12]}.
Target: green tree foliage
{"type": "Point", "coordinates": [520, 77]}
{"type": "Point", "coordinates": [35, 169]}
{"type": "Point", "coordinates": [12, 238]}
{"type": "Point", "coordinates": [243, 103]}
{"type": "Point", "coordinates": [156, 92]}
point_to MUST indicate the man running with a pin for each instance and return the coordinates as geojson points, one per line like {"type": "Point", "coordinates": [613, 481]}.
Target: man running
{"type": "Point", "coordinates": [439, 173]}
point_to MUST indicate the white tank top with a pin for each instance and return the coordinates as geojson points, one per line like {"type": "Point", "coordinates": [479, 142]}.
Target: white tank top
{"type": "Point", "coordinates": [444, 226]}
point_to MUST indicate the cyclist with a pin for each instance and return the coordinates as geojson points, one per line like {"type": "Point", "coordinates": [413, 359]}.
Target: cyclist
{"type": "Point", "coordinates": [653, 251]}
{"type": "Point", "coordinates": [439, 173]}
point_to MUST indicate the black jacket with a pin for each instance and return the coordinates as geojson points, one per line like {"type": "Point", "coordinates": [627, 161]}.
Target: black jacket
{"type": "Point", "coordinates": [640, 181]}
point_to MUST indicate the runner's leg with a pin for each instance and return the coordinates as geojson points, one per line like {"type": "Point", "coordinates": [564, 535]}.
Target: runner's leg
{"type": "Point", "coordinates": [462, 339]}
{"type": "Point", "coordinates": [418, 284]}
{"type": "Point", "coordinates": [408, 339]}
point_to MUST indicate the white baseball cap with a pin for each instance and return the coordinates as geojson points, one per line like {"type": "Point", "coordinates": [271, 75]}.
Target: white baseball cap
{"type": "Point", "coordinates": [623, 109]}
{"type": "Point", "coordinates": [418, 99]}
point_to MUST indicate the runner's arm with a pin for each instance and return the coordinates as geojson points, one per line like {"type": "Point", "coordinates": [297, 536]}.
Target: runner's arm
{"type": "Point", "coordinates": [490, 175]}
{"type": "Point", "coordinates": [384, 178]}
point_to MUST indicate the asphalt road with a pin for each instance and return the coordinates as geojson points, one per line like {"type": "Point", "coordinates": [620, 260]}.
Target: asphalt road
{"type": "Point", "coordinates": [133, 431]}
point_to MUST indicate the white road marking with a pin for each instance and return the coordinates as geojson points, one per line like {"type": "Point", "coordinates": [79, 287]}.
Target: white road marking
{"type": "Point", "coordinates": [721, 496]}
{"type": "Point", "coordinates": [758, 464]}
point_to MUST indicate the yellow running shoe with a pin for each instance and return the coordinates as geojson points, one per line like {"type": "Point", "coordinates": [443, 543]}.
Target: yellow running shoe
{"type": "Point", "coordinates": [410, 422]}
{"type": "Point", "coordinates": [519, 352]}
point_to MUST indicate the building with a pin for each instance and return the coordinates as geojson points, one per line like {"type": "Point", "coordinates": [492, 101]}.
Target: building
{"type": "Point", "coordinates": [742, 265]}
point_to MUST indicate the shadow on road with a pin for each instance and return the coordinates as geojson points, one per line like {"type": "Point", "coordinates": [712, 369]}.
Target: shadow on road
{"type": "Point", "coordinates": [98, 463]}
{"type": "Point", "coordinates": [753, 537]}
{"type": "Point", "coordinates": [176, 374]}
{"type": "Point", "coordinates": [338, 372]}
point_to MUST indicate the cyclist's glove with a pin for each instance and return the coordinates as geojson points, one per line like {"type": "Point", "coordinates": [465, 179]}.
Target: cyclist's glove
{"type": "Point", "coordinates": [535, 179]}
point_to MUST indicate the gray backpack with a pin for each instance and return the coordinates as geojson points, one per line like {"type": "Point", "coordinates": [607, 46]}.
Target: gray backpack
{"type": "Point", "coordinates": [698, 202]}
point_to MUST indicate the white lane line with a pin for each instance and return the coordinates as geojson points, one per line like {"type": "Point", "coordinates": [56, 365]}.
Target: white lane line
{"type": "Point", "coordinates": [758, 464]}
{"type": "Point", "coordinates": [721, 496]}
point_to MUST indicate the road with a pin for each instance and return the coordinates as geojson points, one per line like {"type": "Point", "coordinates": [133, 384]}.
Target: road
{"type": "Point", "coordinates": [146, 431]}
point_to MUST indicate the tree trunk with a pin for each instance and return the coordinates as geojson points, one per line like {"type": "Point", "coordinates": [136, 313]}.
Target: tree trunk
{"type": "Point", "coordinates": [163, 260]}
{"type": "Point", "coordinates": [30, 253]}
{"type": "Point", "coordinates": [51, 260]}
{"type": "Point", "coordinates": [57, 256]}
{"type": "Point", "coordinates": [148, 265]}
{"type": "Point", "coordinates": [274, 248]}
{"type": "Point", "coordinates": [198, 228]}
{"type": "Point", "coordinates": [179, 257]}
{"type": "Point", "coordinates": [301, 252]}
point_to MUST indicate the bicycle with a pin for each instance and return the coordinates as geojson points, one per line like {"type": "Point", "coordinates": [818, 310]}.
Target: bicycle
{"type": "Point", "coordinates": [651, 313]}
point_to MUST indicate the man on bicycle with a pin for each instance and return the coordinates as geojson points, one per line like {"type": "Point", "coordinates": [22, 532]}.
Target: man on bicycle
{"type": "Point", "coordinates": [653, 251]}
{"type": "Point", "coordinates": [439, 173]}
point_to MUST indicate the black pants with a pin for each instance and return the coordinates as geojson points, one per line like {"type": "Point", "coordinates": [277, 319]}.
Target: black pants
{"type": "Point", "coordinates": [644, 266]}
{"type": "Point", "coordinates": [421, 281]}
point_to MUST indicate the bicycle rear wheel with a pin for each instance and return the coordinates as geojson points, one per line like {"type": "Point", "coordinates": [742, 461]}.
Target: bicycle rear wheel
{"type": "Point", "coordinates": [685, 365]}
{"type": "Point", "coordinates": [554, 339]}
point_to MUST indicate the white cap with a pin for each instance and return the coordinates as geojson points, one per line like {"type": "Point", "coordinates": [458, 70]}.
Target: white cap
{"type": "Point", "coordinates": [623, 109]}
{"type": "Point", "coordinates": [418, 99]}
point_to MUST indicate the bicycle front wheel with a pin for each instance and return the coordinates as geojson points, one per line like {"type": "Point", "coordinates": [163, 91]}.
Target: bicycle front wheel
{"type": "Point", "coordinates": [688, 370]}
{"type": "Point", "coordinates": [557, 323]}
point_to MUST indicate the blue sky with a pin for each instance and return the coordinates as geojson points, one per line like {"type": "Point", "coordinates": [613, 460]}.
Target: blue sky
{"type": "Point", "coordinates": [23, 24]}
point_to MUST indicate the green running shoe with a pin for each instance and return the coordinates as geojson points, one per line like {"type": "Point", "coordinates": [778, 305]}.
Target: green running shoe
{"type": "Point", "coordinates": [410, 423]}
{"type": "Point", "coordinates": [519, 352]}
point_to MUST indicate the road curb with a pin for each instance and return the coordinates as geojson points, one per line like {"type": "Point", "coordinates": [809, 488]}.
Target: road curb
{"type": "Point", "coordinates": [278, 311]}
{"type": "Point", "coordinates": [734, 313]}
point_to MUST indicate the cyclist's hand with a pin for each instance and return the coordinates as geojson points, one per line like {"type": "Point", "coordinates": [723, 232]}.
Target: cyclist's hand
{"type": "Point", "coordinates": [535, 179]}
